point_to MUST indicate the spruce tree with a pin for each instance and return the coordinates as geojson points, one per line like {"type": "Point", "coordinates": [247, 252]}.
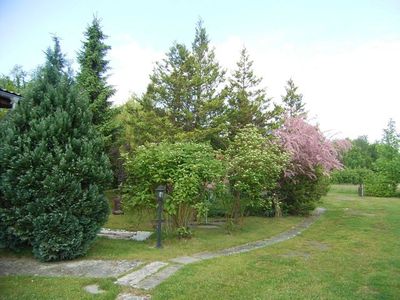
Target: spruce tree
{"type": "Point", "coordinates": [207, 83]}
{"type": "Point", "coordinates": [169, 91]}
{"type": "Point", "coordinates": [293, 101]}
{"type": "Point", "coordinates": [186, 87]}
{"type": "Point", "coordinates": [247, 101]}
{"type": "Point", "coordinates": [92, 77]}
{"type": "Point", "coordinates": [52, 168]}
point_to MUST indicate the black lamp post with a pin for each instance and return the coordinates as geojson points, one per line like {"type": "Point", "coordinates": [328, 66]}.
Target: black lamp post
{"type": "Point", "coordinates": [160, 192]}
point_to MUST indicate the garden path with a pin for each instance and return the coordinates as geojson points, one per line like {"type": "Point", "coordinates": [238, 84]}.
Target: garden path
{"type": "Point", "coordinates": [133, 273]}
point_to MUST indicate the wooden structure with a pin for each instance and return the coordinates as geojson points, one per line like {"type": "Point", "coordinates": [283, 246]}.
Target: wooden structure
{"type": "Point", "coordinates": [8, 99]}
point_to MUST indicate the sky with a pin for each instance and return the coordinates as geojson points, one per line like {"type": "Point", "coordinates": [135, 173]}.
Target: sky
{"type": "Point", "coordinates": [343, 55]}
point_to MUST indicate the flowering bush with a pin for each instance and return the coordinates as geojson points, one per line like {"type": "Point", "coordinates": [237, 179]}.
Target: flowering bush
{"type": "Point", "coordinates": [312, 158]}
{"type": "Point", "coordinates": [308, 149]}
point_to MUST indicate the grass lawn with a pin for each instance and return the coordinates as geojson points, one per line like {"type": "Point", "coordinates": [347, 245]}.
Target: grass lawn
{"type": "Point", "coordinates": [352, 252]}
{"type": "Point", "coordinates": [43, 288]}
{"type": "Point", "coordinates": [254, 228]}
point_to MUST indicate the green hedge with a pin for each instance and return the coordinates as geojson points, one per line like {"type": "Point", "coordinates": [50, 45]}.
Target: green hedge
{"type": "Point", "coordinates": [350, 176]}
{"type": "Point", "coordinates": [379, 185]}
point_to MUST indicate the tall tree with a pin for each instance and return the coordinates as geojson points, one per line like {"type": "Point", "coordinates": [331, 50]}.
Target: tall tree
{"type": "Point", "coordinates": [388, 162]}
{"type": "Point", "coordinates": [293, 101]}
{"type": "Point", "coordinates": [92, 77]}
{"type": "Point", "coordinates": [207, 82]}
{"type": "Point", "coordinates": [52, 168]}
{"type": "Point", "coordinates": [390, 135]}
{"type": "Point", "coordinates": [19, 77]}
{"type": "Point", "coordinates": [247, 101]}
{"type": "Point", "coordinates": [169, 90]}
{"type": "Point", "coordinates": [186, 87]}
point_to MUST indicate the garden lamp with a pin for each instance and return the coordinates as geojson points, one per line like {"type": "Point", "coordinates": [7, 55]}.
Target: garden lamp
{"type": "Point", "coordinates": [160, 192]}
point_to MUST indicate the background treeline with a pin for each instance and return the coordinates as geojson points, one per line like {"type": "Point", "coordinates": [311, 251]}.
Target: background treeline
{"type": "Point", "coordinates": [376, 165]}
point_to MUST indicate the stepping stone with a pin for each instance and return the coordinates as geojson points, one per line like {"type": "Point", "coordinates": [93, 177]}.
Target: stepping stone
{"type": "Point", "coordinates": [185, 260]}
{"type": "Point", "coordinates": [132, 279]}
{"type": "Point", "coordinates": [156, 279]}
{"type": "Point", "coordinates": [93, 289]}
{"type": "Point", "coordinates": [124, 234]}
{"type": "Point", "coordinates": [127, 296]}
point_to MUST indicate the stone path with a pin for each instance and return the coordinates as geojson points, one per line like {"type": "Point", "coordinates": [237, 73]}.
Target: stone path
{"type": "Point", "coordinates": [133, 279]}
{"type": "Point", "coordinates": [146, 277]}
{"type": "Point", "coordinates": [83, 268]}
{"type": "Point", "coordinates": [152, 275]}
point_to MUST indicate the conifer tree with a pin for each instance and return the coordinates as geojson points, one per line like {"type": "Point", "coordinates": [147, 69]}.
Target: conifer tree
{"type": "Point", "coordinates": [92, 77]}
{"type": "Point", "coordinates": [207, 82]}
{"type": "Point", "coordinates": [169, 90]}
{"type": "Point", "coordinates": [186, 87]}
{"type": "Point", "coordinates": [247, 101]}
{"type": "Point", "coordinates": [293, 101]}
{"type": "Point", "coordinates": [52, 168]}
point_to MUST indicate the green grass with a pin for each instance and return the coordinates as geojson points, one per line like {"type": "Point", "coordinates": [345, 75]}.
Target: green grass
{"type": "Point", "coordinates": [43, 288]}
{"type": "Point", "coordinates": [352, 252]}
{"type": "Point", "coordinates": [253, 228]}
{"type": "Point", "coordinates": [130, 220]}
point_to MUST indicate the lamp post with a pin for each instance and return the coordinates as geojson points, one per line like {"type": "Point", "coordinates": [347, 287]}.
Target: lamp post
{"type": "Point", "coordinates": [160, 192]}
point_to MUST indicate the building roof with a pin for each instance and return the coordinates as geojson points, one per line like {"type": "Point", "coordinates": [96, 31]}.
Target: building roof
{"type": "Point", "coordinates": [8, 98]}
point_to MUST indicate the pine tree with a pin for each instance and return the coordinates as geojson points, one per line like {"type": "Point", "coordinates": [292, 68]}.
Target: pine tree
{"type": "Point", "coordinates": [248, 103]}
{"type": "Point", "coordinates": [92, 77]}
{"type": "Point", "coordinates": [293, 101]}
{"type": "Point", "coordinates": [52, 168]}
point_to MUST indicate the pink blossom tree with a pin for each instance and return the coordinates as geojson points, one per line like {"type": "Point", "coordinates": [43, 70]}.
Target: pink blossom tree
{"type": "Point", "coordinates": [312, 158]}
{"type": "Point", "coordinates": [309, 148]}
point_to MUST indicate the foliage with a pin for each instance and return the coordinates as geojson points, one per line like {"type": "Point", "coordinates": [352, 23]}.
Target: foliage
{"type": "Point", "coordinates": [52, 168]}
{"type": "Point", "coordinates": [184, 232]}
{"type": "Point", "coordinates": [140, 124]}
{"type": "Point", "coordinates": [390, 135]}
{"type": "Point", "coordinates": [379, 185]}
{"type": "Point", "coordinates": [184, 168]}
{"type": "Point", "coordinates": [388, 161]}
{"type": "Point", "coordinates": [351, 176]}
{"type": "Point", "coordinates": [185, 88]}
{"type": "Point", "coordinates": [300, 194]}
{"type": "Point", "coordinates": [255, 164]}
{"type": "Point", "coordinates": [92, 77]}
{"type": "Point", "coordinates": [312, 158]}
{"type": "Point", "coordinates": [361, 155]}
{"type": "Point", "coordinates": [16, 81]}
{"type": "Point", "coordinates": [308, 147]}
{"type": "Point", "coordinates": [293, 101]}
{"type": "Point", "coordinates": [247, 101]}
